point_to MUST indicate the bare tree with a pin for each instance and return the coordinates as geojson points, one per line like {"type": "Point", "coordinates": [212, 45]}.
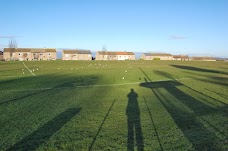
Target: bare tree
{"type": "Point", "coordinates": [104, 48]}
{"type": "Point", "coordinates": [12, 45]}
{"type": "Point", "coordinates": [25, 55]}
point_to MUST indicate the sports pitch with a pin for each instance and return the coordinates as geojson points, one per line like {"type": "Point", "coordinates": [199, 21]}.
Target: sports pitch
{"type": "Point", "coordinates": [114, 105]}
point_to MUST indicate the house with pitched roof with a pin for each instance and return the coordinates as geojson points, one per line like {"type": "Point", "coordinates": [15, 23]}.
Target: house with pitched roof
{"type": "Point", "coordinates": [29, 54]}
{"type": "Point", "coordinates": [181, 57]}
{"type": "Point", "coordinates": [109, 55]}
{"type": "Point", "coordinates": [76, 55]}
{"type": "Point", "coordinates": [203, 59]}
{"type": "Point", "coordinates": [156, 56]}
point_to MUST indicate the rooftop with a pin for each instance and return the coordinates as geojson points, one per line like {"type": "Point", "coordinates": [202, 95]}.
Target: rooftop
{"type": "Point", "coordinates": [115, 53]}
{"type": "Point", "coordinates": [77, 51]}
{"type": "Point", "coordinates": [157, 54]}
{"type": "Point", "coordinates": [29, 49]}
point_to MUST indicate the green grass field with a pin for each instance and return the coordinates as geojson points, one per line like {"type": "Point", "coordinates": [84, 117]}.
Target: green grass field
{"type": "Point", "coordinates": [114, 105]}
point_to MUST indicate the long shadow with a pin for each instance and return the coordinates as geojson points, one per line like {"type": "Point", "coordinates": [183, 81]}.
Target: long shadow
{"type": "Point", "coordinates": [82, 81]}
{"type": "Point", "coordinates": [22, 97]}
{"type": "Point", "coordinates": [210, 79]}
{"type": "Point", "coordinates": [100, 127]}
{"type": "Point", "coordinates": [198, 69]}
{"type": "Point", "coordinates": [134, 122]}
{"type": "Point", "coordinates": [219, 94]}
{"type": "Point", "coordinates": [43, 134]}
{"type": "Point", "coordinates": [220, 80]}
{"type": "Point", "coordinates": [153, 123]}
{"type": "Point", "coordinates": [167, 75]}
{"type": "Point", "coordinates": [222, 110]}
{"type": "Point", "coordinates": [200, 137]}
{"type": "Point", "coordinates": [38, 93]}
{"type": "Point", "coordinates": [198, 107]}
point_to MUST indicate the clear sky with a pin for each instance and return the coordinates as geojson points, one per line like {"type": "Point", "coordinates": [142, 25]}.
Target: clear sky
{"type": "Point", "coordinates": [172, 26]}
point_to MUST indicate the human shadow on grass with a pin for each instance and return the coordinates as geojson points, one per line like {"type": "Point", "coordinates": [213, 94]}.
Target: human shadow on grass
{"type": "Point", "coordinates": [78, 81]}
{"type": "Point", "coordinates": [134, 123]}
{"type": "Point", "coordinates": [194, 130]}
{"type": "Point", "coordinates": [198, 69]}
{"type": "Point", "coordinates": [44, 133]}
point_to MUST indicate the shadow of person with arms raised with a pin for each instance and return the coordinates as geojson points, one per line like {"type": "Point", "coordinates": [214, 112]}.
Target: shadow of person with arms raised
{"type": "Point", "coordinates": [189, 114]}
{"type": "Point", "coordinates": [133, 122]}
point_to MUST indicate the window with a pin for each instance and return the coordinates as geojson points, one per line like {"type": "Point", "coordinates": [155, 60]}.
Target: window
{"type": "Point", "coordinates": [19, 54]}
{"type": "Point", "coordinates": [49, 54]}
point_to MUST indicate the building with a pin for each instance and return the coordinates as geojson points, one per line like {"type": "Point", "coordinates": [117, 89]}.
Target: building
{"type": "Point", "coordinates": [181, 57]}
{"type": "Point", "coordinates": [29, 54]}
{"type": "Point", "coordinates": [76, 55]}
{"type": "Point", "coordinates": [156, 56]}
{"type": "Point", "coordinates": [108, 55]}
{"type": "Point", "coordinates": [1, 56]}
{"type": "Point", "coordinates": [203, 59]}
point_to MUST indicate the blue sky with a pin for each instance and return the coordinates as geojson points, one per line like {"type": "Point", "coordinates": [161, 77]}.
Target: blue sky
{"type": "Point", "coordinates": [197, 27]}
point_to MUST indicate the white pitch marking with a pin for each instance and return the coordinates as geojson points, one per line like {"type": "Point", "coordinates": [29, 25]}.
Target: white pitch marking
{"type": "Point", "coordinates": [29, 69]}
